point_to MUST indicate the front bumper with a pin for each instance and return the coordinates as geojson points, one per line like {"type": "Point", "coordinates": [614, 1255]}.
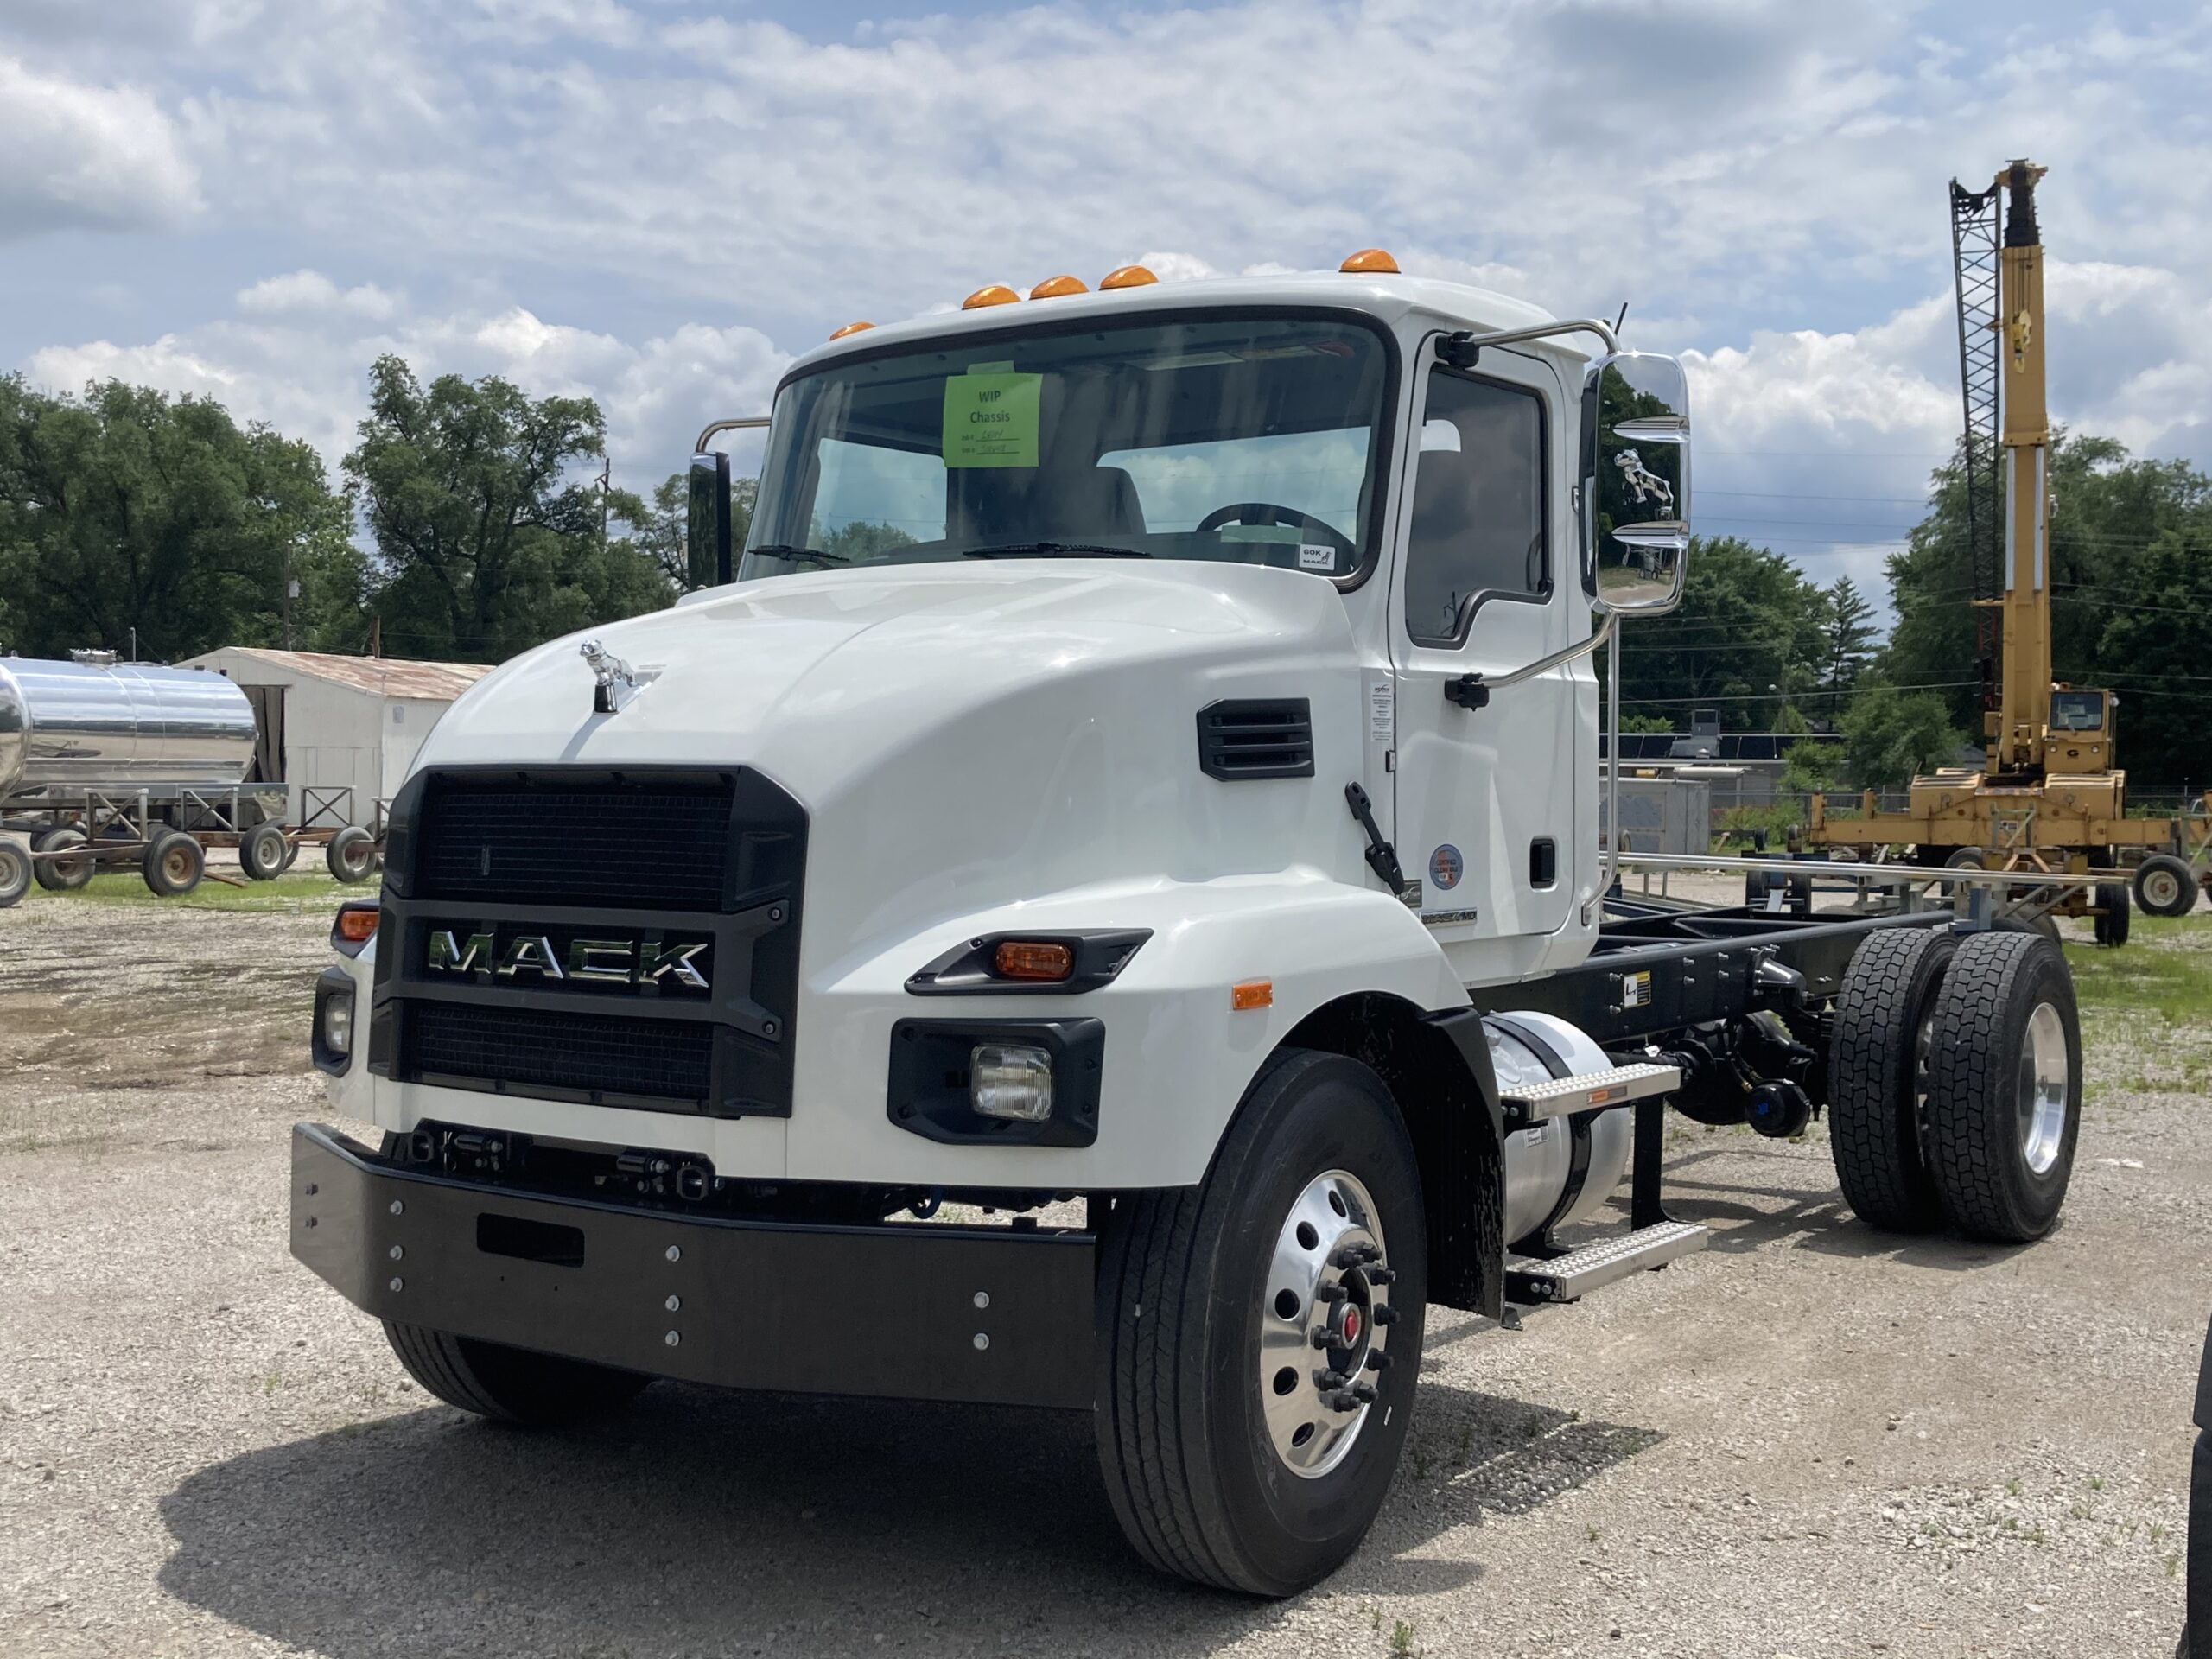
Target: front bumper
{"type": "Point", "coordinates": [912, 1312]}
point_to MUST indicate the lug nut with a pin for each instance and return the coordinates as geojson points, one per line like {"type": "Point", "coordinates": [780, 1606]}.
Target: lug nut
{"type": "Point", "coordinates": [1377, 1360]}
{"type": "Point", "coordinates": [1326, 1381]}
{"type": "Point", "coordinates": [1363, 1392]}
{"type": "Point", "coordinates": [1382, 1276]}
{"type": "Point", "coordinates": [1383, 1314]}
{"type": "Point", "coordinates": [1330, 1293]}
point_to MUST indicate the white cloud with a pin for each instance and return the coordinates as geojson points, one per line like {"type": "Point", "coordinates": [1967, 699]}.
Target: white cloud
{"type": "Point", "coordinates": [296, 355]}
{"type": "Point", "coordinates": [73, 154]}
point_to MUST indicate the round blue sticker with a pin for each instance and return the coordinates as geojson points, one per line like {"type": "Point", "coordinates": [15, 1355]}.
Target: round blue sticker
{"type": "Point", "coordinates": [1446, 866]}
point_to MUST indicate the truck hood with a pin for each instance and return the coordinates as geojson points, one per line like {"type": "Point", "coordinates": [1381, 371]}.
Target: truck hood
{"type": "Point", "coordinates": [964, 734]}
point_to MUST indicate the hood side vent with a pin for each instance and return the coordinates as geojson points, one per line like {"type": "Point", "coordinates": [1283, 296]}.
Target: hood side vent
{"type": "Point", "coordinates": [1256, 737]}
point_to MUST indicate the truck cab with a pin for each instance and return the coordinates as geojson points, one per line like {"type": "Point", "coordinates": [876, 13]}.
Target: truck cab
{"type": "Point", "coordinates": [1096, 903]}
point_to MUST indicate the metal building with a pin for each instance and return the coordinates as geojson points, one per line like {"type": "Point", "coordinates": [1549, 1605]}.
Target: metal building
{"type": "Point", "coordinates": [340, 731]}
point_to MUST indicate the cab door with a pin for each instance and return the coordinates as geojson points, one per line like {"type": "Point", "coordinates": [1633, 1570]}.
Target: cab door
{"type": "Point", "coordinates": [1485, 781]}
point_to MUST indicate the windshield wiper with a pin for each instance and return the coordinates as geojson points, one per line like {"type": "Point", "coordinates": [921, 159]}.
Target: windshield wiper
{"type": "Point", "coordinates": [799, 555]}
{"type": "Point", "coordinates": [1082, 550]}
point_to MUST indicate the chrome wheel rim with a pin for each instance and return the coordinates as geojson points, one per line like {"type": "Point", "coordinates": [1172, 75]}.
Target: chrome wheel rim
{"type": "Point", "coordinates": [2161, 889]}
{"type": "Point", "coordinates": [1326, 1323]}
{"type": "Point", "coordinates": [2043, 1089]}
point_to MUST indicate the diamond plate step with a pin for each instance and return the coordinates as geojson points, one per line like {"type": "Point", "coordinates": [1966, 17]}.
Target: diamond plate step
{"type": "Point", "coordinates": [1559, 1096]}
{"type": "Point", "coordinates": [1578, 1272]}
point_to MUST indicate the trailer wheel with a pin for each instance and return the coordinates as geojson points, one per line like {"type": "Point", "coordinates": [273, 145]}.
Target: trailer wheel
{"type": "Point", "coordinates": [2166, 885]}
{"type": "Point", "coordinates": [2114, 913]}
{"type": "Point", "coordinates": [1259, 1335]}
{"type": "Point", "coordinates": [351, 854]}
{"type": "Point", "coordinates": [14, 873]}
{"type": "Point", "coordinates": [1877, 1077]}
{"type": "Point", "coordinates": [174, 864]}
{"type": "Point", "coordinates": [2005, 1087]}
{"type": "Point", "coordinates": [63, 875]}
{"type": "Point", "coordinates": [263, 852]}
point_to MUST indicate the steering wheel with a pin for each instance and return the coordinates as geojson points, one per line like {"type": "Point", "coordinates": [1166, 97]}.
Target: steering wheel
{"type": "Point", "coordinates": [1260, 513]}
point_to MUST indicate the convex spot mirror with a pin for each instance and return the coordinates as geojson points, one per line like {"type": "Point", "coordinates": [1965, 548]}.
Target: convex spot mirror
{"type": "Point", "coordinates": [1635, 483]}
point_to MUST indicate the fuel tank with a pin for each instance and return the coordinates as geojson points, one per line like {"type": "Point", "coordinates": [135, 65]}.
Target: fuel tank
{"type": "Point", "coordinates": [1539, 1162]}
{"type": "Point", "coordinates": [70, 726]}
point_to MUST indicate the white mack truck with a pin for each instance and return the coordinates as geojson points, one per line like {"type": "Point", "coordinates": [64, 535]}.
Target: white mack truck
{"type": "Point", "coordinates": [1139, 786]}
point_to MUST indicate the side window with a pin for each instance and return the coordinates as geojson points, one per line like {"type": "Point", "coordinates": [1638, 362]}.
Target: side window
{"type": "Point", "coordinates": [1479, 503]}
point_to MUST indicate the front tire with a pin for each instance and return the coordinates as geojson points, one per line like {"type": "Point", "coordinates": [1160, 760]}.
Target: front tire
{"type": "Point", "coordinates": [264, 852]}
{"type": "Point", "coordinates": [2005, 1087]}
{"type": "Point", "coordinates": [351, 856]}
{"type": "Point", "coordinates": [509, 1385]}
{"type": "Point", "coordinates": [173, 865]}
{"type": "Point", "coordinates": [1210, 1301]}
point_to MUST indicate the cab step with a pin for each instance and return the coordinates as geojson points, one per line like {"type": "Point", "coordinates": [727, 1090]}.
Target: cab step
{"type": "Point", "coordinates": [1587, 1091]}
{"type": "Point", "coordinates": [1563, 1278]}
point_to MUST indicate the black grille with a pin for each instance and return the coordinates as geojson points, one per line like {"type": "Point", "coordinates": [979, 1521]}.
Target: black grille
{"type": "Point", "coordinates": [1256, 737]}
{"type": "Point", "coordinates": [658, 843]}
{"type": "Point", "coordinates": [566, 1054]}
{"type": "Point", "coordinates": [526, 868]}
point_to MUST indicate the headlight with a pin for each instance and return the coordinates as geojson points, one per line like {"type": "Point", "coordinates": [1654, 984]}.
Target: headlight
{"type": "Point", "coordinates": [338, 1025]}
{"type": "Point", "coordinates": [331, 1034]}
{"type": "Point", "coordinates": [1010, 1080]}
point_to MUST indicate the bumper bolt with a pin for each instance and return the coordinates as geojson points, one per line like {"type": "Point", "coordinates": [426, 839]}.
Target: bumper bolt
{"type": "Point", "coordinates": [400, 1284]}
{"type": "Point", "coordinates": [398, 1252]}
{"type": "Point", "coordinates": [674, 1253]}
{"type": "Point", "coordinates": [398, 1208]}
{"type": "Point", "coordinates": [982, 1341]}
{"type": "Point", "coordinates": [673, 1338]}
{"type": "Point", "coordinates": [674, 1304]}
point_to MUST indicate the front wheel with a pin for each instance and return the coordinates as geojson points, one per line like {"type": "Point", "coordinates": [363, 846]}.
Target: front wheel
{"type": "Point", "coordinates": [351, 854]}
{"type": "Point", "coordinates": [509, 1385]}
{"type": "Point", "coordinates": [1260, 1336]}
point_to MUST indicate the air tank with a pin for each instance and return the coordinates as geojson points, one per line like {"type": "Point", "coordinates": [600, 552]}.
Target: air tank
{"type": "Point", "coordinates": [1539, 1162]}
{"type": "Point", "coordinates": [65, 727]}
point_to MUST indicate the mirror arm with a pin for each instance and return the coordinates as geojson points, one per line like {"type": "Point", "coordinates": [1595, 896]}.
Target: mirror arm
{"type": "Point", "coordinates": [1460, 350]}
{"type": "Point", "coordinates": [1608, 856]}
{"type": "Point", "coordinates": [741, 423]}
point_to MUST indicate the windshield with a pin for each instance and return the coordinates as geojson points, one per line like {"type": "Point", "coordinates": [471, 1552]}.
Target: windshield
{"type": "Point", "coordinates": [2077, 711]}
{"type": "Point", "coordinates": [1253, 440]}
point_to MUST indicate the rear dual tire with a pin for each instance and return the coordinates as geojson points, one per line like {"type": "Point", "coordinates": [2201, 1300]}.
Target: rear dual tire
{"type": "Point", "coordinates": [1955, 1083]}
{"type": "Point", "coordinates": [1207, 1304]}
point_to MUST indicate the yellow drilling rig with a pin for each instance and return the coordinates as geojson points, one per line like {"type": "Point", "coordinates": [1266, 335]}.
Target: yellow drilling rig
{"type": "Point", "coordinates": [2050, 796]}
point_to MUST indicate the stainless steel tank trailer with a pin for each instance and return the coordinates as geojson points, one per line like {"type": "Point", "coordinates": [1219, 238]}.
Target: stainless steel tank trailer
{"type": "Point", "coordinates": [105, 763]}
{"type": "Point", "coordinates": [1140, 777]}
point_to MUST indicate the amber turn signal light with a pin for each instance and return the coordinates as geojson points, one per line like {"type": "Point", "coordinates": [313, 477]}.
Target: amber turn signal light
{"type": "Point", "coordinates": [1248, 993]}
{"type": "Point", "coordinates": [1033, 959]}
{"type": "Point", "coordinates": [356, 927]}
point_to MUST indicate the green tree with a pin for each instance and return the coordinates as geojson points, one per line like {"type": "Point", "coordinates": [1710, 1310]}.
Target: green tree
{"type": "Point", "coordinates": [1749, 631]}
{"type": "Point", "coordinates": [1848, 642]}
{"type": "Point", "coordinates": [2131, 577]}
{"type": "Point", "coordinates": [488, 537]}
{"type": "Point", "coordinates": [1809, 768]}
{"type": "Point", "coordinates": [1891, 736]}
{"type": "Point", "coordinates": [126, 509]}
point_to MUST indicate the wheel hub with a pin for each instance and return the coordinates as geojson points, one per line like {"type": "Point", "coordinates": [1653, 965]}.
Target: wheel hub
{"type": "Point", "coordinates": [2043, 1089]}
{"type": "Point", "coordinates": [1326, 1325]}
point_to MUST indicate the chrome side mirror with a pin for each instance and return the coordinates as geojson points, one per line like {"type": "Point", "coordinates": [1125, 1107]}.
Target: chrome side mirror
{"type": "Point", "coordinates": [707, 521]}
{"type": "Point", "coordinates": [1635, 483]}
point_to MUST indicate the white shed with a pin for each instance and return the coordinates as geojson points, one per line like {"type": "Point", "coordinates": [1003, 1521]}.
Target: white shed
{"type": "Point", "coordinates": [329, 723]}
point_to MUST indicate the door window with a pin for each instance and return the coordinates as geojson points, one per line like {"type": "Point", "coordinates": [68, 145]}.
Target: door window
{"type": "Point", "coordinates": [1478, 505]}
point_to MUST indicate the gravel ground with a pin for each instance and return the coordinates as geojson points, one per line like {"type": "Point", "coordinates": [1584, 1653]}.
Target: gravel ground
{"type": "Point", "coordinates": [1809, 1441]}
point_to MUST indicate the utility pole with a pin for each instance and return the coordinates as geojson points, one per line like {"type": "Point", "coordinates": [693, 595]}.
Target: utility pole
{"type": "Point", "coordinates": [291, 589]}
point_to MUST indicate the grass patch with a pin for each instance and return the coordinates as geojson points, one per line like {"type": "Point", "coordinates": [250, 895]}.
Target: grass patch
{"type": "Point", "coordinates": [298, 895]}
{"type": "Point", "coordinates": [2164, 968]}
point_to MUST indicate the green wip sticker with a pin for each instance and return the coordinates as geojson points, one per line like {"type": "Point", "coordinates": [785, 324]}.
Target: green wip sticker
{"type": "Point", "coordinates": [990, 419]}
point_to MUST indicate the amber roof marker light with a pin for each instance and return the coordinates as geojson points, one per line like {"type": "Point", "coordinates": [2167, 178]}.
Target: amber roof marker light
{"type": "Point", "coordinates": [992, 294]}
{"type": "Point", "coordinates": [1127, 277]}
{"type": "Point", "coordinates": [1056, 287]}
{"type": "Point", "coordinates": [851, 328]}
{"type": "Point", "coordinates": [1371, 261]}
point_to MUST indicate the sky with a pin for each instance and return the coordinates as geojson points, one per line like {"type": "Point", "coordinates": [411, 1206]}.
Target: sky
{"type": "Point", "coordinates": [660, 202]}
